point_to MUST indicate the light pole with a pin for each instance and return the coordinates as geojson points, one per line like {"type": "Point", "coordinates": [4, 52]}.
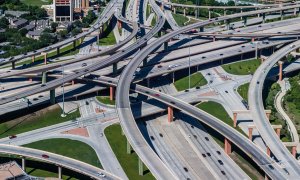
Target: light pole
{"type": "Point", "coordinates": [63, 92]}
{"type": "Point", "coordinates": [189, 63]}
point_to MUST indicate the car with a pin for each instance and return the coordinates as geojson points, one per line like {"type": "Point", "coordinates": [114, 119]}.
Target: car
{"type": "Point", "coordinates": [208, 154]}
{"type": "Point", "coordinates": [223, 172]}
{"type": "Point", "coordinates": [83, 64]}
{"type": "Point", "coordinates": [156, 95]}
{"type": "Point", "coordinates": [159, 66]}
{"type": "Point", "coordinates": [286, 171]}
{"type": "Point", "coordinates": [12, 136]}
{"type": "Point", "coordinates": [257, 82]}
{"type": "Point", "coordinates": [208, 74]}
{"type": "Point", "coordinates": [40, 96]}
{"type": "Point", "coordinates": [100, 174]}
{"type": "Point", "coordinates": [35, 99]}
{"type": "Point", "coordinates": [204, 155]}
{"type": "Point", "coordinates": [160, 134]}
{"type": "Point", "coordinates": [195, 136]}
{"type": "Point", "coordinates": [192, 126]}
{"type": "Point", "coordinates": [219, 152]}
{"type": "Point", "coordinates": [206, 138]}
{"type": "Point", "coordinates": [198, 87]}
{"type": "Point", "coordinates": [226, 91]}
{"type": "Point", "coordinates": [220, 162]}
{"type": "Point", "coordinates": [271, 167]}
{"type": "Point", "coordinates": [211, 81]}
{"type": "Point", "coordinates": [43, 85]}
{"type": "Point", "coordinates": [152, 138]}
{"type": "Point", "coordinates": [172, 102]}
{"type": "Point", "coordinates": [86, 70]}
{"type": "Point", "coordinates": [45, 156]}
{"type": "Point", "coordinates": [203, 57]}
{"type": "Point", "coordinates": [292, 46]}
{"type": "Point", "coordinates": [185, 169]}
{"type": "Point", "coordinates": [186, 90]}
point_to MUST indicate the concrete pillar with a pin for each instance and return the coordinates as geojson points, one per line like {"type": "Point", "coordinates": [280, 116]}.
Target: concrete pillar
{"type": "Point", "coordinates": [170, 114]}
{"type": "Point", "coordinates": [148, 82]}
{"type": "Point", "coordinates": [250, 129]}
{"type": "Point", "coordinates": [23, 164]}
{"type": "Point", "coordinates": [30, 79]}
{"type": "Point", "coordinates": [45, 58]}
{"type": "Point", "coordinates": [141, 167]}
{"type": "Point", "coordinates": [278, 132]}
{"type": "Point", "coordinates": [184, 14]}
{"type": "Point", "coordinates": [209, 14]}
{"type": "Point", "coordinates": [263, 17]}
{"type": "Point", "coordinates": [268, 113]}
{"type": "Point", "coordinates": [268, 151]}
{"type": "Point", "coordinates": [174, 10]}
{"type": "Point", "coordinates": [227, 146]}
{"type": "Point", "coordinates": [119, 24]}
{"type": "Point", "coordinates": [52, 96]}
{"type": "Point", "coordinates": [111, 93]}
{"type": "Point", "coordinates": [162, 6]}
{"type": "Point", "coordinates": [214, 38]}
{"type": "Point", "coordinates": [201, 29]}
{"type": "Point", "coordinates": [58, 51]}
{"type": "Point", "coordinates": [294, 151]}
{"type": "Point", "coordinates": [245, 21]}
{"type": "Point", "coordinates": [227, 23]}
{"type": "Point", "coordinates": [115, 68]}
{"type": "Point", "coordinates": [13, 65]}
{"type": "Point", "coordinates": [59, 172]}
{"type": "Point", "coordinates": [234, 119]}
{"type": "Point", "coordinates": [166, 45]}
{"type": "Point", "coordinates": [252, 39]}
{"type": "Point", "coordinates": [241, 13]}
{"type": "Point", "coordinates": [33, 58]}
{"type": "Point", "coordinates": [173, 77]}
{"type": "Point", "coordinates": [73, 82]}
{"type": "Point", "coordinates": [44, 77]}
{"type": "Point", "coordinates": [281, 14]}
{"type": "Point", "coordinates": [295, 11]}
{"type": "Point", "coordinates": [145, 62]}
{"type": "Point", "coordinates": [128, 147]}
{"type": "Point", "coordinates": [280, 70]}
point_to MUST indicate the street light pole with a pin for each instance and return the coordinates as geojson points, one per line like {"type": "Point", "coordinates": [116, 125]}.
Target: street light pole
{"type": "Point", "coordinates": [189, 64]}
{"type": "Point", "coordinates": [63, 92]}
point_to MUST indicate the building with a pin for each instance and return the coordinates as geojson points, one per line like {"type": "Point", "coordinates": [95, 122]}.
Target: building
{"type": "Point", "coordinates": [16, 13]}
{"type": "Point", "coordinates": [11, 170]}
{"type": "Point", "coordinates": [274, 1]}
{"type": "Point", "coordinates": [17, 23]}
{"type": "Point", "coordinates": [63, 10]}
{"type": "Point", "coordinates": [34, 34]}
{"type": "Point", "coordinates": [68, 10]}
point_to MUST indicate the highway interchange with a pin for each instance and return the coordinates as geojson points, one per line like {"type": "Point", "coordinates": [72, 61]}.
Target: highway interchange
{"type": "Point", "coordinates": [139, 61]}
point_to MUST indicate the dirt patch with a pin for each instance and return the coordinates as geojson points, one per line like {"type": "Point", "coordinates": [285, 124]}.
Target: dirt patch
{"type": "Point", "coordinates": [78, 131]}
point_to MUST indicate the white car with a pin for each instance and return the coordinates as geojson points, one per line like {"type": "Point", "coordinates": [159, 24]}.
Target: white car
{"type": "Point", "coordinates": [101, 174]}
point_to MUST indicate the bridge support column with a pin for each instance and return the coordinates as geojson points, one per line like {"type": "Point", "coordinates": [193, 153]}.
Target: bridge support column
{"type": "Point", "coordinates": [245, 21]}
{"type": "Point", "coordinates": [159, 33]}
{"type": "Point", "coordinates": [224, 15]}
{"type": "Point", "coordinates": [145, 62]}
{"type": "Point", "coordinates": [13, 65]}
{"type": "Point", "coordinates": [115, 68]}
{"type": "Point", "coordinates": [280, 70]}
{"type": "Point", "coordinates": [111, 93]}
{"type": "Point", "coordinates": [59, 172]}
{"type": "Point", "coordinates": [45, 58]}
{"type": "Point", "coordinates": [74, 44]}
{"type": "Point", "coordinates": [278, 132]}
{"type": "Point", "coordinates": [268, 113]}
{"type": "Point", "coordinates": [214, 38]}
{"type": "Point", "coordinates": [141, 167]}
{"type": "Point", "coordinates": [33, 58]}
{"type": "Point", "coordinates": [252, 39]}
{"type": "Point", "coordinates": [173, 77]}
{"type": "Point", "coordinates": [209, 14]}
{"type": "Point", "coordinates": [119, 24]}
{"type": "Point", "coordinates": [227, 146]}
{"type": "Point", "coordinates": [162, 6]}
{"type": "Point", "coordinates": [52, 96]}
{"type": "Point", "coordinates": [174, 10]}
{"type": "Point", "coordinates": [58, 51]}
{"type": "Point", "coordinates": [184, 14]}
{"type": "Point", "coordinates": [148, 82]}
{"type": "Point", "coordinates": [281, 14]}
{"type": "Point", "coordinates": [44, 77]}
{"type": "Point", "coordinates": [268, 151]}
{"type": "Point", "coordinates": [234, 119]}
{"type": "Point", "coordinates": [23, 164]}
{"type": "Point", "coordinates": [170, 114]}
{"type": "Point", "coordinates": [263, 17]}
{"type": "Point", "coordinates": [128, 148]}
{"type": "Point", "coordinates": [227, 24]}
{"type": "Point", "coordinates": [294, 151]}
{"type": "Point", "coordinates": [295, 11]}
{"type": "Point", "coordinates": [250, 130]}
{"type": "Point", "coordinates": [166, 45]}
{"type": "Point", "coordinates": [201, 29]}
{"type": "Point", "coordinates": [241, 12]}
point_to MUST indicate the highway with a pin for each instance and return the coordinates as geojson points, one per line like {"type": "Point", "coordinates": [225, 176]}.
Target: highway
{"type": "Point", "coordinates": [129, 125]}
{"type": "Point", "coordinates": [62, 161]}
{"type": "Point", "coordinates": [104, 17]}
{"type": "Point", "coordinates": [256, 106]}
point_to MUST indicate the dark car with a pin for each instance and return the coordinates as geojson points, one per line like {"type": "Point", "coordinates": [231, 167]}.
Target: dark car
{"type": "Point", "coordinates": [12, 136]}
{"type": "Point", "coordinates": [206, 138]}
{"type": "Point", "coordinates": [45, 156]}
{"type": "Point", "coordinates": [220, 162]}
{"type": "Point", "coordinates": [152, 138]}
{"type": "Point", "coordinates": [186, 169]}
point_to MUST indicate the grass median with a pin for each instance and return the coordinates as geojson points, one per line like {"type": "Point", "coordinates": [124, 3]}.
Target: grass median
{"type": "Point", "coordinates": [105, 100]}
{"type": "Point", "coordinates": [242, 67]}
{"type": "Point", "coordinates": [197, 79]}
{"type": "Point", "coordinates": [129, 162]}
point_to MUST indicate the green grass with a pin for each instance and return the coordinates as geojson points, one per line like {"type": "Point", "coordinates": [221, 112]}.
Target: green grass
{"type": "Point", "coordinates": [180, 19]}
{"type": "Point", "coordinates": [243, 91]}
{"type": "Point", "coordinates": [35, 121]}
{"type": "Point", "coordinates": [197, 79]}
{"type": "Point", "coordinates": [129, 162]}
{"type": "Point", "coordinates": [105, 100]}
{"type": "Point", "coordinates": [36, 2]}
{"type": "Point", "coordinates": [219, 112]}
{"type": "Point", "coordinates": [108, 40]}
{"type": "Point", "coordinates": [243, 67]}
{"type": "Point", "coordinates": [70, 148]}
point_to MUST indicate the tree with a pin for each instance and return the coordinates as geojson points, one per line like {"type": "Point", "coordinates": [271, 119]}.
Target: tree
{"type": "Point", "coordinates": [75, 31]}
{"type": "Point", "coordinates": [23, 32]}
{"type": "Point", "coordinates": [63, 33]}
{"type": "Point", "coordinates": [54, 25]}
{"type": "Point", "coordinates": [4, 23]}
